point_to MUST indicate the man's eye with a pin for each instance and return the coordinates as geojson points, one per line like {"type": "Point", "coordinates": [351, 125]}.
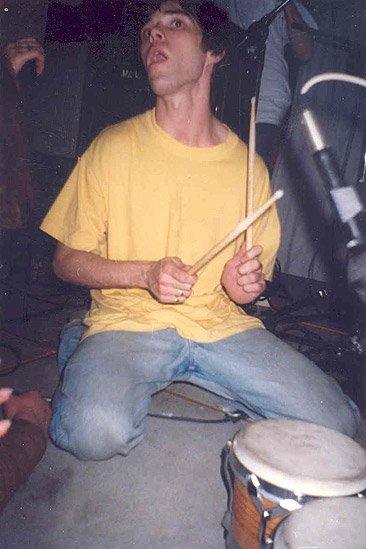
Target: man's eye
{"type": "Point", "coordinates": [177, 23]}
{"type": "Point", "coordinates": [145, 33]}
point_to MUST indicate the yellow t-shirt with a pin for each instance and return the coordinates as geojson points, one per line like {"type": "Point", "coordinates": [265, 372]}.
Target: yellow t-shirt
{"type": "Point", "coordinates": [138, 194]}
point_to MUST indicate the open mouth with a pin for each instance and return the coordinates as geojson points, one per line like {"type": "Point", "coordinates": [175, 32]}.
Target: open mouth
{"type": "Point", "coordinates": [156, 57]}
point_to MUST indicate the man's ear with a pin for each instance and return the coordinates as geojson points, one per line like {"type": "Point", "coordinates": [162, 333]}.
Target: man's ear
{"type": "Point", "coordinates": [215, 58]}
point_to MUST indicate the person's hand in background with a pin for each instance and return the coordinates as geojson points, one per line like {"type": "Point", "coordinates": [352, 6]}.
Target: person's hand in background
{"type": "Point", "coordinates": [22, 51]}
{"type": "Point", "coordinates": [29, 406]}
{"type": "Point", "coordinates": [5, 394]}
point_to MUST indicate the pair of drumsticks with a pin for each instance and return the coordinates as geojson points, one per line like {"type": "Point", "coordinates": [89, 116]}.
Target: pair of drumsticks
{"type": "Point", "coordinates": [247, 223]}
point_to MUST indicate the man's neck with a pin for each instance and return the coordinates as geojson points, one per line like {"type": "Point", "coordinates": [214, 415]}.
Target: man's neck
{"type": "Point", "coordinates": [190, 122]}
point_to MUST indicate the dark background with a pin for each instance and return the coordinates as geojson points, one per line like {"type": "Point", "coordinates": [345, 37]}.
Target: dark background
{"type": "Point", "coordinates": [94, 77]}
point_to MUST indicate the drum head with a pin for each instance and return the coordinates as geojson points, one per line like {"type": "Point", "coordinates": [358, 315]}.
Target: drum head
{"type": "Point", "coordinates": [334, 523]}
{"type": "Point", "coordinates": [302, 457]}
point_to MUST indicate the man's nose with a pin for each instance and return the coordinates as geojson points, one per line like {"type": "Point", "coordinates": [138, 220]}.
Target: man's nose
{"type": "Point", "coordinates": [156, 33]}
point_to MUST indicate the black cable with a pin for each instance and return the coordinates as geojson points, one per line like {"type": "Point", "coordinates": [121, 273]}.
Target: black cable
{"type": "Point", "coordinates": [305, 337]}
{"type": "Point", "coordinates": [233, 417]}
{"type": "Point", "coordinates": [57, 306]}
{"type": "Point", "coordinates": [356, 116]}
{"type": "Point", "coordinates": [313, 346]}
{"type": "Point", "coordinates": [33, 316]}
{"type": "Point", "coordinates": [29, 292]}
{"type": "Point", "coordinates": [26, 338]}
{"type": "Point", "coordinates": [17, 356]}
{"type": "Point", "coordinates": [293, 307]}
{"type": "Point", "coordinates": [311, 269]}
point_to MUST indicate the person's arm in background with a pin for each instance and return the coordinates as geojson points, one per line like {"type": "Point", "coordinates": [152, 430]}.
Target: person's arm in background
{"type": "Point", "coordinates": [23, 439]}
{"type": "Point", "coordinates": [302, 42]}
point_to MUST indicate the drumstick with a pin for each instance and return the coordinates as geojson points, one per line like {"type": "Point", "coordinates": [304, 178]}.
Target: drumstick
{"type": "Point", "coordinates": [239, 229]}
{"type": "Point", "coordinates": [250, 171]}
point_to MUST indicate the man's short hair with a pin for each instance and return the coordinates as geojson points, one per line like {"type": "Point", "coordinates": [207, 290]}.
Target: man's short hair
{"type": "Point", "coordinates": [212, 20]}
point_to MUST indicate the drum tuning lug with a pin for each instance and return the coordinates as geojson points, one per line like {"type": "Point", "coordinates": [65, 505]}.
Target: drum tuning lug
{"type": "Point", "coordinates": [235, 415]}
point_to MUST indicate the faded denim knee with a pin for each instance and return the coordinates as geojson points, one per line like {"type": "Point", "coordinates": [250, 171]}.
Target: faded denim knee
{"type": "Point", "coordinates": [93, 433]}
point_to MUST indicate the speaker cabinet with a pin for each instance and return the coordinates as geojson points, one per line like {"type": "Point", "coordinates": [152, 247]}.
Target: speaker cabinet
{"type": "Point", "coordinates": [115, 87]}
{"type": "Point", "coordinates": [85, 87]}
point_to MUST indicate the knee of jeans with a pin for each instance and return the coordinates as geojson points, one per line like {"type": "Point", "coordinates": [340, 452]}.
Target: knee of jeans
{"type": "Point", "coordinates": [94, 434]}
{"type": "Point", "coordinates": [348, 418]}
{"type": "Point", "coordinates": [344, 418]}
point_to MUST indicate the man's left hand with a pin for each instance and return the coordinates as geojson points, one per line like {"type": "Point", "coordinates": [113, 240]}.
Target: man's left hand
{"type": "Point", "coordinates": [243, 278]}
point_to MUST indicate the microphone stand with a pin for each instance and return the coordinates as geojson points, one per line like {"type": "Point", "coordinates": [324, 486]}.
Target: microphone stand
{"type": "Point", "coordinates": [254, 43]}
{"type": "Point", "coordinates": [251, 48]}
{"type": "Point", "coordinates": [351, 213]}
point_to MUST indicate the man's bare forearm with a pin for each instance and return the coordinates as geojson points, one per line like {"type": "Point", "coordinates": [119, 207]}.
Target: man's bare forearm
{"type": "Point", "coordinates": [90, 270]}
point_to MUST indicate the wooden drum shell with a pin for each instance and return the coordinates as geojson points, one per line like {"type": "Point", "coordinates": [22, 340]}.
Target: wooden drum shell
{"type": "Point", "coordinates": [246, 519]}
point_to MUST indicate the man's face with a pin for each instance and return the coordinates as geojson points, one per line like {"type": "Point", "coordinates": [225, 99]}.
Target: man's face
{"type": "Point", "coordinates": [171, 50]}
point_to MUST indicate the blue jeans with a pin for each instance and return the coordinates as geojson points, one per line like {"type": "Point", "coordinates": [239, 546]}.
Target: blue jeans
{"type": "Point", "coordinates": [106, 386]}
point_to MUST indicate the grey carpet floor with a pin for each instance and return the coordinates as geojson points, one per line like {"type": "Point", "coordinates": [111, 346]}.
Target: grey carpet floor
{"type": "Point", "coordinates": [168, 493]}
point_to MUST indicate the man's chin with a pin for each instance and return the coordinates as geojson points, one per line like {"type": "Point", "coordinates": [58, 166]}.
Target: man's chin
{"type": "Point", "coordinates": [161, 86]}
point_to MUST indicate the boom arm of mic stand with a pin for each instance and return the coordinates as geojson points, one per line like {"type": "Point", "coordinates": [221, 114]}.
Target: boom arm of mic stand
{"type": "Point", "coordinates": [258, 31]}
{"type": "Point", "coordinates": [269, 17]}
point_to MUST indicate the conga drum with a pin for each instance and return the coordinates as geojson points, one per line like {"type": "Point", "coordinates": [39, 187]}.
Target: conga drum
{"type": "Point", "coordinates": [273, 467]}
{"type": "Point", "coordinates": [330, 523]}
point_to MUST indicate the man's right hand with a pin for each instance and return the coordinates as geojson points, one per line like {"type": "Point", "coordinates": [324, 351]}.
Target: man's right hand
{"type": "Point", "coordinates": [168, 280]}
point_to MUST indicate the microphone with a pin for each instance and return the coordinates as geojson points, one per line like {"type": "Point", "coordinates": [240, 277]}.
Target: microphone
{"type": "Point", "coordinates": [269, 17]}
{"type": "Point", "coordinates": [345, 198]}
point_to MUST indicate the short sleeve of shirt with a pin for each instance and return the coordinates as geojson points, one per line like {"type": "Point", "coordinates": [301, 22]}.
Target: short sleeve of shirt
{"type": "Point", "coordinates": [307, 17]}
{"type": "Point", "coordinates": [78, 216]}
